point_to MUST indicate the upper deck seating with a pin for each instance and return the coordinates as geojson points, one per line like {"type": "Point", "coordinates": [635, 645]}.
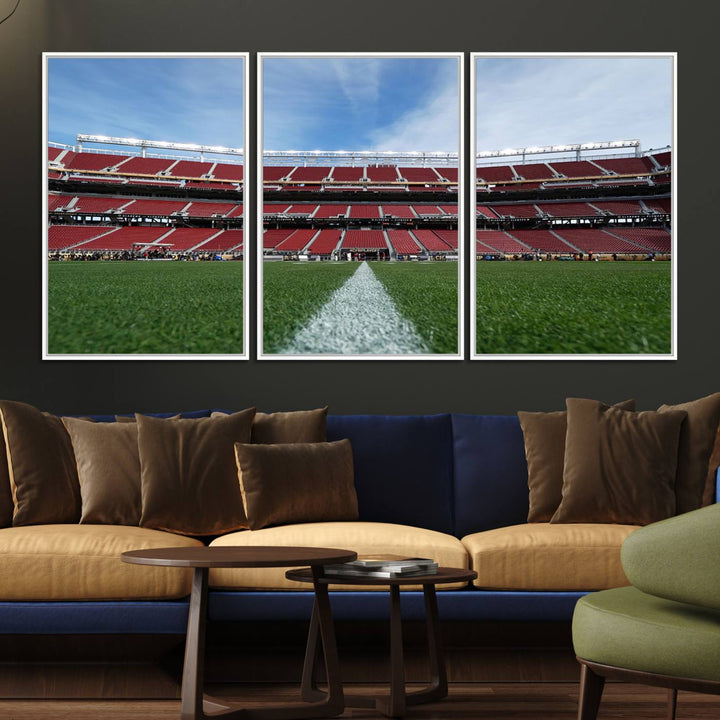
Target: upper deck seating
{"type": "Point", "coordinates": [310, 174]}
{"type": "Point", "coordinates": [418, 174]}
{"type": "Point", "coordinates": [272, 173]}
{"type": "Point", "coordinates": [663, 159]}
{"type": "Point", "coordinates": [495, 173]}
{"type": "Point", "coordinates": [58, 201]}
{"type": "Point", "coordinates": [228, 171]}
{"type": "Point", "coordinates": [619, 207]}
{"type": "Point", "coordinates": [301, 209]}
{"type": "Point", "coordinates": [237, 211]}
{"type": "Point", "coordinates": [190, 168]}
{"type": "Point", "coordinates": [427, 210]}
{"type": "Point", "coordinates": [275, 208]}
{"type": "Point", "coordinates": [626, 166]}
{"type": "Point", "coordinates": [325, 242]}
{"type": "Point", "coordinates": [543, 241]}
{"type": "Point", "coordinates": [360, 240]}
{"type": "Point", "coordinates": [486, 212]}
{"type": "Point", "coordinates": [53, 152]}
{"type": "Point", "coordinates": [382, 173]}
{"type": "Point", "coordinates": [449, 173]}
{"type": "Point", "coordinates": [347, 174]}
{"type": "Point", "coordinates": [99, 205]}
{"type": "Point", "coordinates": [661, 205]}
{"type": "Point", "coordinates": [575, 168]}
{"type": "Point", "coordinates": [94, 161]}
{"type": "Point", "coordinates": [449, 209]}
{"type": "Point", "coordinates": [145, 165]}
{"type": "Point", "coordinates": [534, 171]}
{"type": "Point", "coordinates": [61, 237]}
{"type": "Point", "coordinates": [403, 242]}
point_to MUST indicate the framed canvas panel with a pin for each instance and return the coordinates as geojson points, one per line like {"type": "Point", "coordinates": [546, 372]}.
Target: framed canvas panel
{"type": "Point", "coordinates": [574, 225]}
{"type": "Point", "coordinates": [144, 206]}
{"type": "Point", "coordinates": [360, 192]}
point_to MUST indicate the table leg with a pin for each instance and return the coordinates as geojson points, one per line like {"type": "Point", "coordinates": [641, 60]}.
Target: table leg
{"type": "Point", "coordinates": [193, 670]}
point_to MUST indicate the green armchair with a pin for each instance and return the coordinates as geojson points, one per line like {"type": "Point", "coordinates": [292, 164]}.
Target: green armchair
{"type": "Point", "coordinates": [664, 629]}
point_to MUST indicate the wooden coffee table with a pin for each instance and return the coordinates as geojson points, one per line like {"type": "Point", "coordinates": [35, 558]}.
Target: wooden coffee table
{"type": "Point", "coordinates": [396, 703]}
{"type": "Point", "coordinates": [193, 705]}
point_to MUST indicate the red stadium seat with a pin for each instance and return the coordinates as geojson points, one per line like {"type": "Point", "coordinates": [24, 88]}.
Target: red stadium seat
{"type": "Point", "coordinates": [325, 242]}
{"type": "Point", "coordinates": [359, 240]}
{"type": "Point", "coordinates": [403, 242]}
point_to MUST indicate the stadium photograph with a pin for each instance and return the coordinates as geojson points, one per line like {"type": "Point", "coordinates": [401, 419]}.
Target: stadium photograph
{"type": "Point", "coordinates": [358, 251]}
{"type": "Point", "coordinates": [144, 216]}
{"type": "Point", "coordinates": [574, 247]}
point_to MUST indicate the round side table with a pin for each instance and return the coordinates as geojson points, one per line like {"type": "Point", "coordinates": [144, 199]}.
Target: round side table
{"type": "Point", "coordinates": [193, 705]}
{"type": "Point", "coordinates": [396, 703]}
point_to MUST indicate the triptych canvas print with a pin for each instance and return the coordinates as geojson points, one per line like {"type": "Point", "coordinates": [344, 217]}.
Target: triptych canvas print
{"type": "Point", "coordinates": [361, 219]}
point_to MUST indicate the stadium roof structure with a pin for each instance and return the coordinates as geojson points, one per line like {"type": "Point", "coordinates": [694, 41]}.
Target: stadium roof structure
{"type": "Point", "coordinates": [358, 158]}
{"type": "Point", "coordinates": [143, 144]}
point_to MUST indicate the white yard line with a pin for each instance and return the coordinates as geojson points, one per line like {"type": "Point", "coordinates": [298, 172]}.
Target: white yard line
{"type": "Point", "coordinates": [359, 318]}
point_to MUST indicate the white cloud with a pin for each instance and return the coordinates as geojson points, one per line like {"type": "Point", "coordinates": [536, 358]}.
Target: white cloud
{"type": "Point", "coordinates": [545, 101]}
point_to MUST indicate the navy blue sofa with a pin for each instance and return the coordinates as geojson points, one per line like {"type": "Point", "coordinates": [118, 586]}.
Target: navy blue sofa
{"type": "Point", "coordinates": [453, 473]}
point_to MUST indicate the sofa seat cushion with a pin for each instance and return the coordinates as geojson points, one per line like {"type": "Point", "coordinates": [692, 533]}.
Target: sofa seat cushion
{"type": "Point", "coordinates": [628, 628]}
{"type": "Point", "coordinates": [82, 562]}
{"type": "Point", "coordinates": [544, 556]}
{"type": "Point", "coordinates": [365, 538]}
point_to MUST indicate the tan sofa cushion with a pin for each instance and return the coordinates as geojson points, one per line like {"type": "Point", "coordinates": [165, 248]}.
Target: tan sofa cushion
{"type": "Point", "coordinates": [544, 556]}
{"type": "Point", "coordinates": [82, 562]}
{"type": "Point", "coordinates": [365, 538]}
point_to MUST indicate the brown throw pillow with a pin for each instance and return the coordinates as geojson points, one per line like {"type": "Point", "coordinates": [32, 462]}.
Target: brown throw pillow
{"type": "Point", "coordinates": [297, 483]}
{"type": "Point", "coordinates": [6, 500]}
{"type": "Point", "coordinates": [41, 466]}
{"type": "Point", "coordinates": [131, 418]}
{"type": "Point", "coordinates": [544, 435]}
{"type": "Point", "coordinates": [108, 466]}
{"type": "Point", "coordinates": [619, 466]}
{"type": "Point", "coordinates": [188, 474]}
{"type": "Point", "coordinates": [297, 426]}
{"type": "Point", "coordinates": [697, 438]}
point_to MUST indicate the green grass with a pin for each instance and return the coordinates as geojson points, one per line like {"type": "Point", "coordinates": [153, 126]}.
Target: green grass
{"type": "Point", "coordinates": [145, 307]}
{"type": "Point", "coordinates": [571, 307]}
{"type": "Point", "coordinates": [293, 292]}
{"type": "Point", "coordinates": [425, 293]}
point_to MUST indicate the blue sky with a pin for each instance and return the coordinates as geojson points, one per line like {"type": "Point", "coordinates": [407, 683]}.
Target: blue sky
{"type": "Point", "coordinates": [360, 103]}
{"type": "Point", "coordinates": [188, 100]}
{"type": "Point", "coordinates": [523, 102]}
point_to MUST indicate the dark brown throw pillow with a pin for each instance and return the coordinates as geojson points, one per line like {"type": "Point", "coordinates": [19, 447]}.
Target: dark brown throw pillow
{"type": "Point", "coordinates": [41, 466]}
{"type": "Point", "coordinates": [6, 500]}
{"type": "Point", "coordinates": [544, 435]}
{"type": "Point", "coordinates": [619, 466]}
{"type": "Point", "coordinates": [297, 482]}
{"type": "Point", "coordinates": [297, 426]}
{"type": "Point", "coordinates": [188, 474]}
{"type": "Point", "coordinates": [697, 439]}
{"type": "Point", "coordinates": [108, 466]}
{"type": "Point", "coordinates": [131, 418]}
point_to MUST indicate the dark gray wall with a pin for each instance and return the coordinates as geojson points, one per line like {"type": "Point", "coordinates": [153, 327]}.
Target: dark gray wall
{"type": "Point", "coordinates": [367, 25]}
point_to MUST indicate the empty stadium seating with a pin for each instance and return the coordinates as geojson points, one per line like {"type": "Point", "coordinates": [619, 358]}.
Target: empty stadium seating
{"type": "Point", "coordinates": [418, 174]}
{"type": "Point", "coordinates": [325, 242]}
{"type": "Point", "coordinates": [58, 201]}
{"type": "Point", "coordinates": [654, 239]}
{"type": "Point", "coordinates": [209, 209]}
{"type": "Point", "coordinates": [427, 210]}
{"type": "Point", "coordinates": [93, 204]}
{"type": "Point", "coordinates": [403, 212]}
{"type": "Point", "coordinates": [53, 152]}
{"type": "Point", "coordinates": [449, 237]}
{"type": "Point", "coordinates": [296, 241]}
{"type": "Point", "coordinates": [347, 174]}
{"type": "Point", "coordinates": [576, 168]}
{"type": "Point", "coordinates": [61, 237]}
{"type": "Point", "coordinates": [94, 161]}
{"type": "Point", "coordinates": [190, 168]}
{"type": "Point", "coordinates": [382, 173]}
{"type": "Point", "coordinates": [227, 171]}
{"type": "Point", "coordinates": [145, 165]}
{"type": "Point", "coordinates": [543, 241]}
{"type": "Point", "coordinates": [663, 159]}
{"type": "Point", "coordinates": [430, 241]}
{"type": "Point", "coordinates": [575, 209]}
{"type": "Point", "coordinates": [661, 205]}
{"type": "Point", "coordinates": [331, 211]}
{"type": "Point", "coordinates": [273, 237]}
{"type": "Point", "coordinates": [526, 210]}
{"type": "Point", "coordinates": [301, 209]}
{"type": "Point", "coordinates": [236, 212]}
{"type": "Point", "coordinates": [275, 208]}
{"type": "Point", "coordinates": [495, 173]}
{"type": "Point", "coordinates": [449, 209]}
{"type": "Point", "coordinates": [226, 241]}
{"type": "Point", "coordinates": [148, 208]}
{"type": "Point", "coordinates": [403, 242]}
{"type": "Point", "coordinates": [363, 212]}
{"type": "Point", "coordinates": [486, 212]}
{"type": "Point", "coordinates": [127, 238]}
{"type": "Point", "coordinates": [187, 238]}
{"type": "Point", "coordinates": [501, 241]}
{"type": "Point", "coordinates": [596, 241]}
{"type": "Point", "coordinates": [448, 173]}
{"type": "Point", "coordinates": [534, 171]}
{"type": "Point", "coordinates": [310, 174]}
{"type": "Point", "coordinates": [626, 166]}
{"type": "Point", "coordinates": [359, 240]}
{"type": "Point", "coordinates": [276, 172]}
{"type": "Point", "coordinates": [619, 207]}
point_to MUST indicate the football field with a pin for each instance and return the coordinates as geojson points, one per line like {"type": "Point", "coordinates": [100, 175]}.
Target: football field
{"type": "Point", "coordinates": [360, 308]}
{"type": "Point", "coordinates": [573, 307]}
{"type": "Point", "coordinates": [145, 307]}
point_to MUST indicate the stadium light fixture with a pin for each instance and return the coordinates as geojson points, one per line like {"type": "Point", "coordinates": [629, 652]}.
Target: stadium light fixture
{"type": "Point", "coordinates": [161, 144]}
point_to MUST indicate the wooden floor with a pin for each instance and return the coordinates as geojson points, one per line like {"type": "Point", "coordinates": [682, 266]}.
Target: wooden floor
{"type": "Point", "coordinates": [479, 701]}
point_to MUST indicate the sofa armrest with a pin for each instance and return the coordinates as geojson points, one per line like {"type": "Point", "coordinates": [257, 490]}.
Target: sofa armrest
{"type": "Point", "coordinates": [677, 558]}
